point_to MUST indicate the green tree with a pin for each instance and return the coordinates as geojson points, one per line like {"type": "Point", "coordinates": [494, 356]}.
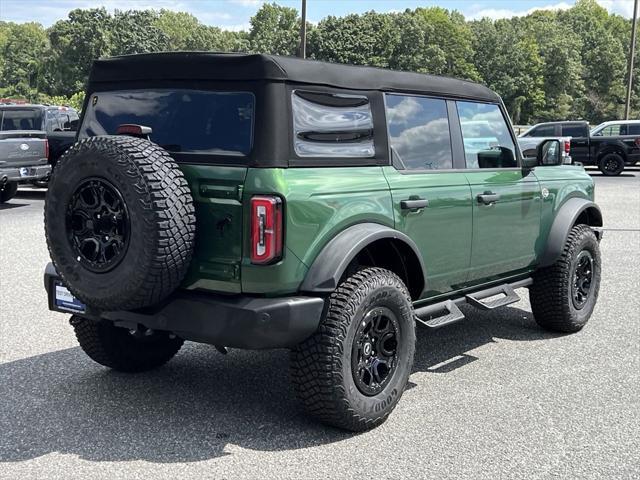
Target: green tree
{"type": "Point", "coordinates": [603, 61]}
{"type": "Point", "coordinates": [186, 33]}
{"type": "Point", "coordinates": [275, 29]}
{"type": "Point", "coordinates": [135, 31]}
{"type": "Point", "coordinates": [75, 44]}
{"type": "Point", "coordinates": [366, 39]}
{"type": "Point", "coordinates": [509, 62]}
{"type": "Point", "coordinates": [21, 49]}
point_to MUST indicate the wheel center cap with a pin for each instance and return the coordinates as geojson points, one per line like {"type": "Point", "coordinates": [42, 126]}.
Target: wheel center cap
{"type": "Point", "coordinates": [367, 349]}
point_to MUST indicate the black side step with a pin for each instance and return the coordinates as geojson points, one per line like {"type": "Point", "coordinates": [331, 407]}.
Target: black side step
{"type": "Point", "coordinates": [452, 314]}
{"type": "Point", "coordinates": [509, 297]}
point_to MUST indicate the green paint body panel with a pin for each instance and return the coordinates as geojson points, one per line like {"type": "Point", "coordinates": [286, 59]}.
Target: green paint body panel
{"type": "Point", "coordinates": [504, 233]}
{"type": "Point", "coordinates": [442, 230]}
{"type": "Point", "coordinates": [464, 243]}
{"type": "Point", "coordinates": [319, 203]}
{"type": "Point", "coordinates": [562, 182]}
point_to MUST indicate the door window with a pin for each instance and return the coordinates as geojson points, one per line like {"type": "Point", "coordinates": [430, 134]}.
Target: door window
{"type": "Point", "coordinates": [611, 130]}
{"type": "Point", "coordinates": [634, 129]}
{"type": "Point", "coordinates": [486, 137]}
{"type": "Point", "coordinates": [542, 131]}
{"type": "Point", "coordinates": [419, 132]}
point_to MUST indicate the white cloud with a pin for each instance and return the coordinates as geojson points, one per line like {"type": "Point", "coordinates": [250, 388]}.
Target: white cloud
{"type": "Point", "coordinates": [476, 11]}
{"type": "Point", "coordinates": [621, 7]}
{"type": "Point", "coordinates": [496, 13]}
{"type": "Point", "coordinates": [248, 3]}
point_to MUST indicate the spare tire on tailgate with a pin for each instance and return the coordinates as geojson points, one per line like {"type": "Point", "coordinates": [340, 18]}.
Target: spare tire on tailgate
{"type": "Point", "coordinates": [120, 222]}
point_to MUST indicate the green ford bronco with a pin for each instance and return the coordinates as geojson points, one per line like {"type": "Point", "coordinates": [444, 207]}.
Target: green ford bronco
{"type": "Point", "coordinates": [255, 201]}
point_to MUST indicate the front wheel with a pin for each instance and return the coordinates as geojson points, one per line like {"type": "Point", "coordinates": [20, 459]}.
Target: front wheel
{"type": "Point", "coordinates": [352, 372]}
{"type": "Point", "coordinates": [123, 349]}
{"type": "Point", "coordinates": [564, 294]}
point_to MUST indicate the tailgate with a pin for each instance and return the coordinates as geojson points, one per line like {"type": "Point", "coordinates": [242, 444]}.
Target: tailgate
{"type": "Point", "coordinates": [22, 148]}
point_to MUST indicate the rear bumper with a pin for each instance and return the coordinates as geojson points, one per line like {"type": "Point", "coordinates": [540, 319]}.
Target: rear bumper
{"type": "Point", "coordinates": [22, 174]}
{"type": "Point", "coordinates": [231, 321]}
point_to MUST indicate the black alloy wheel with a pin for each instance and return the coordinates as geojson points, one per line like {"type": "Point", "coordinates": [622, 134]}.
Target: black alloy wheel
{"type": "Point", "coordinates": [582, 279]}
{"type": "Point", "coordinates": [98, 225]}
{"type": "Point", "coordinates": [611, 164]}
{"type": "Point", "coordinates": [374, 353]}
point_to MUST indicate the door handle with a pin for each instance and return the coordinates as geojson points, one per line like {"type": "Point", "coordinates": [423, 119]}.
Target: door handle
{"type": "Point", "coordinates": [414, 204]}
{"type": "Point", "coordinates": [488, 198]}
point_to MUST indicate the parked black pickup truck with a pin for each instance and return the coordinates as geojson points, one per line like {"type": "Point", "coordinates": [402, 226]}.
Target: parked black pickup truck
{"type": "Point", "coordinates": [59, 123]}
{"type": "Point", "coordinates": [610, 145]}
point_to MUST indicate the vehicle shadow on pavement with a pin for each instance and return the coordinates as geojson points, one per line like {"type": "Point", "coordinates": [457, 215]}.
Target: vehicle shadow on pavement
{"type": "Point", "coordinates": [38, 194]}
{"type": "Point", "coordinates": [12, 204]}
{"type": "Point", "coordinates": [446, 349]}
{"type": "Point", "coordinates": [201, 405]}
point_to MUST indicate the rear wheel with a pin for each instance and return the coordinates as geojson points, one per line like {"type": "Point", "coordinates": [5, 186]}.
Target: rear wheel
{"type": "Point", "coordinates": [352, 372]}
{"type": "Point", "coordinates": [564, 294]}
{"type": "Point", "coordinates": [8, 191]}
{"type": "Point", "coordinates": [611, 164]}
{"type": "Point", "coordinates": [123, 349]}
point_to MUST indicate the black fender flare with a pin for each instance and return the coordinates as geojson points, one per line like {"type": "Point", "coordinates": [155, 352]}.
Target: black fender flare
{"type": "Point", "coordinates": [328, 267]}
{"type": "Point", "coordinates": [563, 223]}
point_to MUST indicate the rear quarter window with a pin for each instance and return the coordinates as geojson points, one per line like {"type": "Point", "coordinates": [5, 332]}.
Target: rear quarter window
{"type": "Point", "coordinates": [183, 121]}
{"type": "Point", "coordinates": [328, 125]}
{"type": "Point", "coordinates": [542, 131]}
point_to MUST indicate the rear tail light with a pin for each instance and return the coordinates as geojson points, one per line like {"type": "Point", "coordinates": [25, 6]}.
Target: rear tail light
{"type": "Point", "coordinates": [46, 148]}
{"type": "Point", "coordinates": [567, 147]}
{"type": "Point", "coordinates": [266, 229]}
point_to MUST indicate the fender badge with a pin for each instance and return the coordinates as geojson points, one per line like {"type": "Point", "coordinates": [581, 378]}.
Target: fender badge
{"type": "Point", "coordinates": [545, 192]}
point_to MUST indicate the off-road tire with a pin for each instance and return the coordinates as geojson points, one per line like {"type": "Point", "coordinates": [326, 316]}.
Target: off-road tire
{"type": "Point", "coordinates": [321, 365]}
{"type": "Point", "coordinates": [608, 159]}
{"type": "Point", "coordinates": [119, 349]}
{"type": "Point", "coordinates": [551, 293]}
{"type": "Point", "coordinates": [161, 215]}
{"type": "Point", "coordinates": [8, 191]}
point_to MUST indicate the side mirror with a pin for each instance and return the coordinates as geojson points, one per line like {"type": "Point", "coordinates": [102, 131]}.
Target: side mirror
{"type": "Point", "coordinates": [529, 162]}
{"type": "Point", "coordinates": [549, 152]}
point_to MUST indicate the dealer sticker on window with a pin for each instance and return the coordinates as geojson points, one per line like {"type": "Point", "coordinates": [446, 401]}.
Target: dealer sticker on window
{"type": "Point", "coordinates": [65, 301]}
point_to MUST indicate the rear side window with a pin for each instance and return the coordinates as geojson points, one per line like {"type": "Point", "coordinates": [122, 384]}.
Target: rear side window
{"type": "Point", "coordinates": [542, 131]}
{"type": "Point", "coordinates": [183, 121]}
{"type": "Point", "coordinates": [20, 119]}
{"type": "Point", "coordinates": [634, 129]}
{"type": "Point", "coordinates": [332, 125]}
{"type": "Point", "coordinates": [574, 131]}
{"type": "Point", "coordinates": [419, 132]}
{"type": "Point", "coordinates": [486, 137]}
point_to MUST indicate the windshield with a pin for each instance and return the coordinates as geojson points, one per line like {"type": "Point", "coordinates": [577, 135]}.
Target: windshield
{"type": "Point", "coordinates": [20, 119]}
{"type": "Point", "coordinates": [597, 130]}
{"type": "Point", "coordinates": [186, 121]}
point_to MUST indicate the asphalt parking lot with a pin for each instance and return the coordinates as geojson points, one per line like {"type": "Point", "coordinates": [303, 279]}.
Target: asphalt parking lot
{"type": "Point", "coordinates": [491, 397]}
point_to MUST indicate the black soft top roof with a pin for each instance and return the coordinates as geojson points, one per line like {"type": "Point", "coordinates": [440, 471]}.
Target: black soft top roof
{"type": "Point", "coordinates": [259, 67]}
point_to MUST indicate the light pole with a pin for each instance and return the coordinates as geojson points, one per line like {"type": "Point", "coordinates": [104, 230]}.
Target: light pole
{"type": "Point", "coordinates": [632, 49]}
{"type": "Point", "coordinates": [303, 31]}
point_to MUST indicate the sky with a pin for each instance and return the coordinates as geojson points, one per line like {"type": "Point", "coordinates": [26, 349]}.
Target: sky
{"type": "Point", "coordinates": [235, 14]}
